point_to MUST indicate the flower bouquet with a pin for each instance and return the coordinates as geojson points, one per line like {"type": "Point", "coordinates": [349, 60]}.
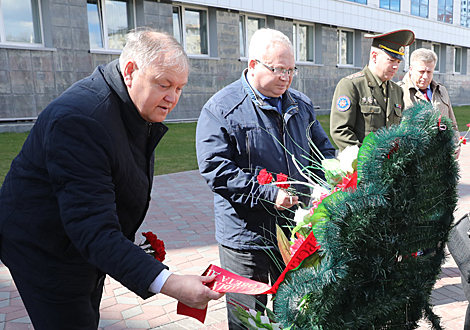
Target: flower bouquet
{"type": "Point", "coordinates": [153, 246]}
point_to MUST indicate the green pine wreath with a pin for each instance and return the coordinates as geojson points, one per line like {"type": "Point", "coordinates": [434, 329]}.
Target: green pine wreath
{"type": "Point", "coordinates": [370, 276]}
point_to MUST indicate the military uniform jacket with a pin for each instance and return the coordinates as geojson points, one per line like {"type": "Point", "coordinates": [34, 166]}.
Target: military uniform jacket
{"type": "Point", "coordinates": [359, 107]}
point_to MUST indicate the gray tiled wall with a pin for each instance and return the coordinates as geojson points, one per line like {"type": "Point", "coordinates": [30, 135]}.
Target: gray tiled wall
{"type": "Point", "coordinates": [30, 79]}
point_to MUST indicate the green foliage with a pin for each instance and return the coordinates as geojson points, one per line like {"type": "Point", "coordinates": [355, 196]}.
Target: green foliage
{"type": "Point", "coordinates": [176, 152]}
{"type": "Point", "coordinates": [462, 115]}
{"type": "Point", "coordinates": [10, 146]}
{"type": "Point", "coordinates": [368, 277]}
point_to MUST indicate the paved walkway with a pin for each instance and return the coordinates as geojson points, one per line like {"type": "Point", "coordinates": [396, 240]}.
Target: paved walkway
{"type": "Point", "coordinates": [181, 214]}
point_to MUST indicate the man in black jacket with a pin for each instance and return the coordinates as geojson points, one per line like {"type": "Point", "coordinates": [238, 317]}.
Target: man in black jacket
{"type": "Point", "coordinates": [80, 188]}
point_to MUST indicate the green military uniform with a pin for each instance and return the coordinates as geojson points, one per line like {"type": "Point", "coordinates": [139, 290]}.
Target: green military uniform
{"type": "Point", "coordinates": [362, 102]}
{"type": "Point", "coordinates": [360, 106]}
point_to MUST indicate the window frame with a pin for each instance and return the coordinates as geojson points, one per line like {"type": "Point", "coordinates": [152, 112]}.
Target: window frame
{"type": "Point", "coordinates": [455, 62]}
{"type": "Point", "coordinates": [245, 32]}
{"type": "Point", "coordinates": [439, 7]}
{"type": "Point", "coordinates": [182, 27]}
{"type": "Point", "coordinates": [438, 53]}
{"type": "Point", "coordinates": [464, 22]}
{"type": "Point", "coordinates": [339, 53]}
{"type": "Point", "coordinates": [295, 27]}
{"type": "Point", "coordinates": [381, 5]}
{"type": "Point", "coordinates": [418, 3]}
{"type": "Point", "coordinates": [104, 27]}
{"type": "Point", "coordinates": [18, 44]}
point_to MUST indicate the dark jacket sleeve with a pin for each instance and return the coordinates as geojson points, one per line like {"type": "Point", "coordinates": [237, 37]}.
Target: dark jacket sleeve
{"type": "Point", "coordinates": [79, 160]}
{"type": "Point", "coordinates": [216, 152]}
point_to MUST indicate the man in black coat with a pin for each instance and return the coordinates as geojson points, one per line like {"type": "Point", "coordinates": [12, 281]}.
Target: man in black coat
{"type": "Point", "coordinates": [80, 188]}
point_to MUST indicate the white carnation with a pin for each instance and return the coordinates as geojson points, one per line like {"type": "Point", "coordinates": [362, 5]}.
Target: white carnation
{"type": "Point", "coordinates": [347, 157]}
{"type": "Point", "coordinates": [300, 213]}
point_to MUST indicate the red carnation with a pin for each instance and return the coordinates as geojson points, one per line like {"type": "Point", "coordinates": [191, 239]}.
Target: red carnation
{"type": "Point", "coordinates": [264, 177]}
{"type": "Point", "coordinates": [348, 182]}
{"type": "Point", "coordinates": [282, 178]}
{"type": "Point", "coordinates": [157, 245]}
{"type": "Point", "coordinates": [463, 140]}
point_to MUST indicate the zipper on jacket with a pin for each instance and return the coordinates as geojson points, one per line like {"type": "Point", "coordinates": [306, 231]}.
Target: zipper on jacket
{"type": "Point", "coordinates": [150, 129]}
{"type": "Point", "coordinates": [284, 129]}
{"type": "Point", "coordinates": [248, 151]}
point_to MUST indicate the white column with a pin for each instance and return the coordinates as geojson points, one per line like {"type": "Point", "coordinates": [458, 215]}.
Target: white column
{"type": "Point", "coordinates": [433, 10]}
{"type": "Point", "coordinates": [456, 18]}
{"type": "Point", "coordinates": [405, 7]}
{"type": "Point", "coordinates": [374, 3]}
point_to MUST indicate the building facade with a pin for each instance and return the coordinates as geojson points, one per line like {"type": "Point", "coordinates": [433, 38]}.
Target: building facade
{"type": "Point", "coordinates": [47, 45]}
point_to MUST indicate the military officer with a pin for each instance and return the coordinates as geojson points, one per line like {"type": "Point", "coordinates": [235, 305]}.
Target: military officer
{"type": "Point", "coordinates": [367, 100]}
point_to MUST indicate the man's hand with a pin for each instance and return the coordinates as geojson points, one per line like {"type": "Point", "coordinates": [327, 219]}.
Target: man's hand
{"type": "Point", "coordinates": [190, 290]}
{"type": "Point", "coordinates": [285, 201]}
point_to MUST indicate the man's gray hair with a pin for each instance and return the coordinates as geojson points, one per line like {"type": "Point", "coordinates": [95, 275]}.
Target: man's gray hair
{"type": "Point", "coordinates": [145, 45]}
{"type": "Point", "coordinates": [263, 39]}
{"type": "Point", "coordinates": [423, 55]}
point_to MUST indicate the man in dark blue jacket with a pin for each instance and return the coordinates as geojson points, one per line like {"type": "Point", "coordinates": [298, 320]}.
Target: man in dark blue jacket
{"type": "Point", "coordinates": [80, 188]}
{"type": "Point", "coordinates": [257, 123]}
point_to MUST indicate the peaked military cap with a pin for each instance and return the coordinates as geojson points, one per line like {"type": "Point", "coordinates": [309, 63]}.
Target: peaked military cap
{"type": "Point", "coordinates": [393, 43]}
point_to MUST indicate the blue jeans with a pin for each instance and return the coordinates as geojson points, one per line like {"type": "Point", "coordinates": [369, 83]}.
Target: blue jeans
{"type": "Point", "coordinates": [257, 265]}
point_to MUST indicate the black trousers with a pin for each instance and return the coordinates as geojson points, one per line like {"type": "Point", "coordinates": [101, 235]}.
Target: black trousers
{"type": "Point", "coordinates": [253, 264]}
{"type": "Point", "coordinates": [54, 311]}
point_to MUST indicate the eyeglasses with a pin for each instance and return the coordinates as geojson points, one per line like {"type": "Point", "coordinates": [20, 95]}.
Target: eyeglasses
{"type": "Point", "coordinates": [279, 71]}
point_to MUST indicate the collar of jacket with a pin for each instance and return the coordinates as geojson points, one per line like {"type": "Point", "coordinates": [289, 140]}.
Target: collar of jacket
{"type": "Point", "coordinates": [129, 113]}
{"type": "Point", "coordinates": [287, 100]}
{"type": "Point", "coordinates": [372, 80]}
{"type": "Point", "coordinates": [435, 86]}
{"type": "Point", "coordinates": [376, 90]}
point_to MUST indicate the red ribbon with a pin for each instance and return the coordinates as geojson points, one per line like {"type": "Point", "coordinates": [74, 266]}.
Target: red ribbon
{"type": "Point", "coordinates": [226, 281]}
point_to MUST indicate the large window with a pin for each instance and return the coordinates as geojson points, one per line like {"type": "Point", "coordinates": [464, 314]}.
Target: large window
{"type": "Point", "coordinates": [390, 4]}
{"type": "Point", "coordinates": [304, 40]}
{"type": "Point", "coordinates": [108, 23]}
{"type": "Point", "coordinates": [191, 29]}
{"type": "Point", "coordinates": [445, 9]}
{"type": "Point", "coordinates": [464, 13]}
{"type": "Point", "coordinates": [345, 47]}
{"type": "Point", "coordinates": [420, 8]}
{"type": "Point", "coordinates": [457, 60]}
{"type": "Point", "coordinates": [20, 22]}
{"type": "Point", "coordinates": [359, 1]}
{"type": "Point", "coordinates": [437, 49]}
{"type": "Point", "coordinates": [247, 26]}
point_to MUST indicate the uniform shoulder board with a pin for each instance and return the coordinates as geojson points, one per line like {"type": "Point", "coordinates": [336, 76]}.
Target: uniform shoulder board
{"type": "Point", "coordinates": [355, 75]}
